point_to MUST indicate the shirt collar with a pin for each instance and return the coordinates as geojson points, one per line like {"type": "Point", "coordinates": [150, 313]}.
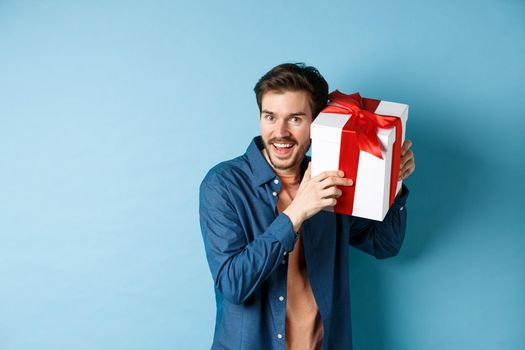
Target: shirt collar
{"type": "Point", "coordinates": [262, 171]}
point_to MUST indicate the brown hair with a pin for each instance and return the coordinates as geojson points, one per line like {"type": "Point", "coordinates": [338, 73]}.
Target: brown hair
{"type": "Point", "coordinates": [295, 77]}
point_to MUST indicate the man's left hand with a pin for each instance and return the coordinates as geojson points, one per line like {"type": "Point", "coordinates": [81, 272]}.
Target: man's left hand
{"type": "Point", "coordinates": [407, 164]}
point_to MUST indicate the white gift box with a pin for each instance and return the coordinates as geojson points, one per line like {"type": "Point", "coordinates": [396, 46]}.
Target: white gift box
{"type": "Point", "coordinates": [372, 184]}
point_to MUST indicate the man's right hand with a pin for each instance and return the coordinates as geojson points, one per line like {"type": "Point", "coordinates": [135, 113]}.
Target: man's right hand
{"type": "Point", "coordinates": [315, 194]}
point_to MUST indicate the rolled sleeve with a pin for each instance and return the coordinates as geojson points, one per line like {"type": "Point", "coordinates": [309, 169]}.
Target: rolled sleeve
{"type": "Point", "coordinates": [282, 229]}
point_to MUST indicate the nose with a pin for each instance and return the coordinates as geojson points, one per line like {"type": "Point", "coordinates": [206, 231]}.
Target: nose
{"type": "Point", "coordinates": [281, 129]}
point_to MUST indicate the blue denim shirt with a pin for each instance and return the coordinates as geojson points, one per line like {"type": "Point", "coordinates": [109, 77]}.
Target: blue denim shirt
{"type": "Point", "coordinates": [247, 242]}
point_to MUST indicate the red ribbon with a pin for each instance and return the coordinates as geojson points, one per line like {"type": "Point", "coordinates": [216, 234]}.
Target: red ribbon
{"type": "Point", "coordinates": [360, 134]}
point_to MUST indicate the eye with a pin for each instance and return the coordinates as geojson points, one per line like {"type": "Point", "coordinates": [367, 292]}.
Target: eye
{"type": "Point", "coordinates": [268, 117]}
{"type": "Point", "coordinates": [295, 120]}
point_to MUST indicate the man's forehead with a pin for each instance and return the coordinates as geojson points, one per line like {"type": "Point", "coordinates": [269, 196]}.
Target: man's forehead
{"type": "Point", "coordinates": [286, 101]}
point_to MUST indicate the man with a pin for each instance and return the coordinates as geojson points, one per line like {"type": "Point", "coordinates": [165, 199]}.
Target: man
{"type": "Point", "coordinates": [279, 262]}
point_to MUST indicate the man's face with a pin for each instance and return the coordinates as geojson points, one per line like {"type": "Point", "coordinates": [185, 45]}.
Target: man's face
{"type": "Point", "coordinates": [285, 128]}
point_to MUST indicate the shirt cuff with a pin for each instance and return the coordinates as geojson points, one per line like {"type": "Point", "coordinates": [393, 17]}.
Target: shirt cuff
{"type": "Point", "coordinates": [282, 229]}
{"type": "Point", "coordinates": [401, 198]}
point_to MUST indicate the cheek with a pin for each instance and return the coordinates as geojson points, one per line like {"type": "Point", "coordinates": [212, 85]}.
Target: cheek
{"type": "Point", "coordinates": [263, 129]}
{"type": "Point", "coordinates": [303, 135]}
{"type": "Point", "coordinates": [266, 133]}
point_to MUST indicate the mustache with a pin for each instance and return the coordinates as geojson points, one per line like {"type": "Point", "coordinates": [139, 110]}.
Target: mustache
{"type": "Point", "coordinates": [282, 140]}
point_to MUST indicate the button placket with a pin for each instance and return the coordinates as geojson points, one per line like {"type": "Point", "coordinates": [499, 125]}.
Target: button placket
{"type": "Point", "coordinates": [275, 187]}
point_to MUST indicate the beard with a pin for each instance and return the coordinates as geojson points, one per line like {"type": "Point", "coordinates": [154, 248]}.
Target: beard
{"type": "Point", "coordinates": [293, 161]}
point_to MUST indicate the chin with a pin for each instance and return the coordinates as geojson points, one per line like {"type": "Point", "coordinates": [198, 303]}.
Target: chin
{"type": "Point", "coordinates": [285, 164]}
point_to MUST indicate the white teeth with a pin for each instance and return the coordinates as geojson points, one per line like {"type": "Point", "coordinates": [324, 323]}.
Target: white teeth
{"type": "Point", "coordinates": [283, 145]}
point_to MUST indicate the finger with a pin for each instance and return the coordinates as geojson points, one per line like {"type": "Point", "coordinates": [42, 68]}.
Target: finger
{"type": "Point", "coordinates": [308, 173]}
{"type": "Point", "coordinates": [410, 163]}
{"type": "Point", "coordinates": [408, 171]}
{"type": "Point", "coordinates": [405, 175]}
{"type": "Point", "coordinates": [331, 192]}
{"type": "Point", "coordinates": [335, 181]}
{"type": "Point", "coordinates": [406, 146]}
{"type": "Point", "coordinates": [327, 174]}
{"type": "Point", "coordinates": [408, 156]}
{"type": "Point", "coordinates": [328, 202]}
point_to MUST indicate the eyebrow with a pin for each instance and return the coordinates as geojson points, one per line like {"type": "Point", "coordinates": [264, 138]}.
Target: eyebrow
{"type": "Point", "coordinates": [296, 114]}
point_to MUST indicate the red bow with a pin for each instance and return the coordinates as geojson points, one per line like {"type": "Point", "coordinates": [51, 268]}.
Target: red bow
{"type": "Point", "coordinates": [360, 134]}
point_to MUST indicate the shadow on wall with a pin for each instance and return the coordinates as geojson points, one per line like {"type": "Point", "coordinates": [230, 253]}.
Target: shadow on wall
{"type": "Point", "coordinates": [446, 180]}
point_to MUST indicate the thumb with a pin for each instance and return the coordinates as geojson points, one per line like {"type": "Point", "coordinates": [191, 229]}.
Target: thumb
{"type": "Point", "coordinates": [308, 173]}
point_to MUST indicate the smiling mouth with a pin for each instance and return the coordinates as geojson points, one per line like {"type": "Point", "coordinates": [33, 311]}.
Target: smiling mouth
{"type": "Point", "coordinates": [283, 148]}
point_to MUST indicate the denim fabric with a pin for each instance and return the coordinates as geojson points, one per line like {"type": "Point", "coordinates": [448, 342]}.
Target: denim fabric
{"type": "Point", "coordinates": [247, 242]}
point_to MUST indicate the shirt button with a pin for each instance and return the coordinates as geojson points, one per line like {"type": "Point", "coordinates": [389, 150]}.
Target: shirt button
{"type": "Point", "coordinates": [283, 262]}
{"type": "Point", "coordinates": [281, 298]}
{"type": "Point", "coordinates": [284, 253]}
{"type": "Point", "coordinates": [274, 194]}
{"type": "Point", "coordinates": [280, 336]}
{"type": "Point", "coordinates": [276, 181]}
{"type": "Point", "coordinates": [401, 208]}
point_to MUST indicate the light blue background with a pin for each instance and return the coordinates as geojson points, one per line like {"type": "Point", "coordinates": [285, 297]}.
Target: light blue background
{"type": "Point", "coordinates": [112, 112]}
